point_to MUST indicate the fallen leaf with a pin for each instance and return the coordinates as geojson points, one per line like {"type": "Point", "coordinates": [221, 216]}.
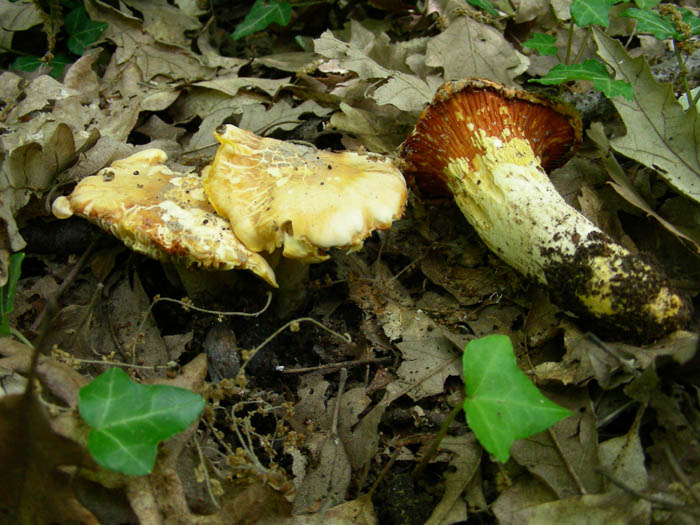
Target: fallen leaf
{"type": "Point", "coordinates": [624, 187]}
{"type": "Point", "coordinates": [462, 467]}
{"type": "Point", "coordinates": [165, 22]}
{"type": "Point", "coordinates": [30, 170]}
{"type": "Point", "coordinates": [576, 448]}
{"type": "Point", "coordinates": [35, 490]}
{"type": "Point", "coordinates": [359, 511]}
{"type": "Point", "coordinates": [136, 46]}
{"type": "Point", "coordinates": [406, 92]}
{"type": "Point", "coordinates": [660, 134]}
{"type": "Point", "coordinates": [471, 49]}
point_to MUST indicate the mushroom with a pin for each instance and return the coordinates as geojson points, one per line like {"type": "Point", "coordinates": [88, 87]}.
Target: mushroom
{"type": "Point", "coordinates": [490, 145]}
{"type": "Point", "coordinates": [160, 213]}
{"type": "Point", "coordinates": [282, 194]}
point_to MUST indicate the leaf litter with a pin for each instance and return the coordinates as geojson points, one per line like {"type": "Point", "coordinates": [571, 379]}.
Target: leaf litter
{"type": "Point", "coordinates": [324, 428]}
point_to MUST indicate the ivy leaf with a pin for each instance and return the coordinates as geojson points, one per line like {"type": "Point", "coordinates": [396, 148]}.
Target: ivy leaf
{"type": "Point", "coordinates": [502, 404]}
{"type": "Point", "coordinates": [261, 15]}
{"type": "Point", "coordinates": [82, 30]}
{"type": "Point", "coordinates": [542, 43]}
{"type": "Point", "coordinates": [591, 70]}
{"type": "Point", "coordinates": [692, 20]}
{"type": "Point", "coordinates": [31, 63]}
{"type": "Point", "coordinates": [129, 419]}
{"type": "Point", "coordinates": [587, 12]}
{"type": "Point", "coordinates": [653, 23]}
{"type": "Point", "coordinates": [646, 4]}
{"type": "Point", "coordinates": [485, 5]}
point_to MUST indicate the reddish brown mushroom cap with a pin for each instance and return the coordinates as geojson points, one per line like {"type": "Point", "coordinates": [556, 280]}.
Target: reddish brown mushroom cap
{"type": "Point", "coordinates": [464, 111]}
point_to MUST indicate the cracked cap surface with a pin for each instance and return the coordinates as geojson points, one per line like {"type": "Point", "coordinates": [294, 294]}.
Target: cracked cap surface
{"type": "Point", "coordinates": [160, 213]}
{"type": "Point", "coordinates": [282, 194]}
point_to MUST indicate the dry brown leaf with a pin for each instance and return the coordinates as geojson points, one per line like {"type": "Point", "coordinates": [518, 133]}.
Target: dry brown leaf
{"type": "Point", "coordinates": [359, 511]}
{"type": "Point", "coordinates": [526, 491]}
{"type": "Point", "coordinates": [165, 22]}
{"type": "Point", "coordinates": [138, 47]}
{"type": "Point", "coordinates": [471, 49]}
{"type": "Point", "coordinates": [29, 170]}
{"type": "Point", "coordinates": [463, 466]}
{"type": "Point", "coordinates": [576, 448]}
{"type": "Point", "coordinates": [35, 491]}
{"type": "Point", "coordinates": [591, 508]}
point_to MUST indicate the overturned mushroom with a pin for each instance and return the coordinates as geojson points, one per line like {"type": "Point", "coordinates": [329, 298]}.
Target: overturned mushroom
{"type": "Point", "coordinates": [281, 194]}
{"type": "Point", "coordinates": [162, 214]}
{"type": "Point", "coordinates": [490, 145]}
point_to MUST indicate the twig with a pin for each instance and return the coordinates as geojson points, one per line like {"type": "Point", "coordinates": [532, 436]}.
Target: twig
{"type": "Point", "coordinates": [659, 502]}
{"type": "Point", "coordinates": [294, 326]}
{"type": "Point", "coordinates": [678, 472]}
{"type": "Point", "coordinates": [186, 305]}
{"type": "Point", "coordinates": [435, 444]}
{"type": "Point", "coordinates": [568, 466]}
{"type": "Point", "coordinates": [336, 444]}
{"type": "Point", "coordinates": [63, 286]}
{"type": "Point", "coordinates": [341, 388]}
{"type": "Point", "coordinates": [205, 472]}
{"type": "Point", "coordinates": [384, 471]}
{"type": "Point", "coordinates": [332, 367]}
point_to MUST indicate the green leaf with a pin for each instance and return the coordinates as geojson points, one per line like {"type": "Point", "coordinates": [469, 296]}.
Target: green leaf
{"type": "Point", "coordinates": [82, 30]}
{"type": "Point", "coordinates": [485, 5]}
{"type": "Point", "coordinates": [502, 405]}
{"type": "Point", "coordinates": [129, 419]}
{"type": "Point", "coordinates": [72, 4]}
{"type": "Point", "coordinates": [587, 12]}
{"type": "Point", "coordinates": [591, 70]}
{"type": "Point", "coordinates": [646, 4]}
{"type": "Point", "coordinates": [654, 23]}
{"type": "Point", "coordinates": [692, 20]}
{"type": "Point", "coordinates": [31, 63]}
{"type": "Point", "coordinates": [7, 292]}
{"type": "Point", "coordinates": [261, 15]}
{"type": "Point", "coordinates": [542, 43]}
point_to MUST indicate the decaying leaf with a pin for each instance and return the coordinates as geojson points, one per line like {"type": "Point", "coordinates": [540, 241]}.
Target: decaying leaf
{"type": "Point", "coordinates": [29, 170]}
{"type": "Point", "coordinates": [465, 462]}
{"type": "Point", "coordinates": [622, 185]}
{"type": "Point", "coordinates": [136, 46]}
{"type": "Point", "coordinates": [660, 134]}
{"type": "Point", "coordinates": [472, 49]}
{"type": "Point", "coordinates": [405, 91]}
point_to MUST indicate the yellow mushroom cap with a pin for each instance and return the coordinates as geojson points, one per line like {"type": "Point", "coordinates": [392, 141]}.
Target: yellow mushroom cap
{"type": "Point", "coordinates": [281, 194]}
{"type": "Point", "coordinates": [160, 213]}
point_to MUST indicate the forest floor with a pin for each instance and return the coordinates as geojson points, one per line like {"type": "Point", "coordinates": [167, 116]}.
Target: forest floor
{"type": "Point", "coordinates": [357, 360]}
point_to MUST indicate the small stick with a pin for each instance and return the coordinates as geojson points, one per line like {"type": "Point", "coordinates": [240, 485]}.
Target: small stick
{"type": "Point", "coordinates": [332, 367]}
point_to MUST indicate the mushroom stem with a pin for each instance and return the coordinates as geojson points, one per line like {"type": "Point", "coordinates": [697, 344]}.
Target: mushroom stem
{"type": "Point", "coordinates": [495, 175]}
{"type": "Point", "coordinates": [517, 212]}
